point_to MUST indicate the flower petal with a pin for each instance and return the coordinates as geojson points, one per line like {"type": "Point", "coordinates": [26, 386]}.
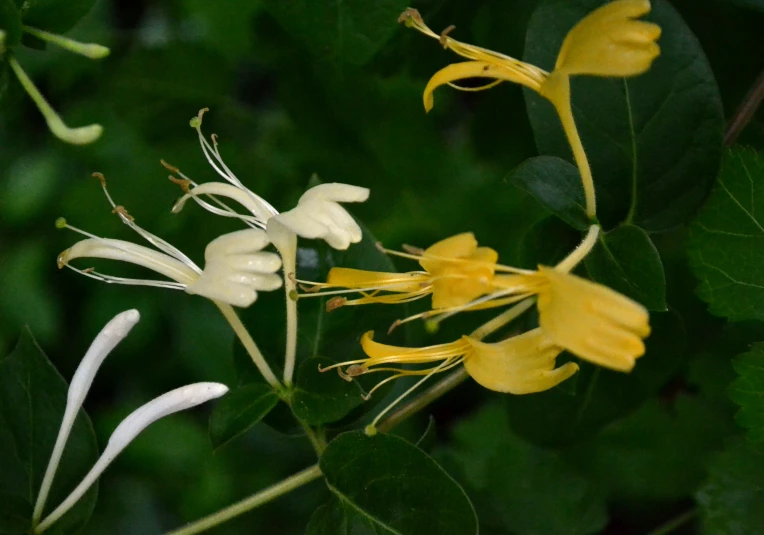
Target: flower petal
{"type": "Point", "coordinates": [522, 364]}
{"type": "Point", "coordinates": [609, 42]}
{"type": "Point", "coordinates": [591, 320]}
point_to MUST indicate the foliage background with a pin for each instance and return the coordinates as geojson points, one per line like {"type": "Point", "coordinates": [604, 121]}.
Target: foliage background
{"type": "Point", "coordinates": [285, 107]}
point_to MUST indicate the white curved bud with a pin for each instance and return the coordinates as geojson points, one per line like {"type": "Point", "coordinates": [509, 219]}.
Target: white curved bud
{"type": "Point", "coordinates": [106, 340]}
{"type": "Point", "coordinates": [318, 214]}
{"type": "Point", "coordinates": [236, 268]}
{"type": "Point", "coordinates": [176, 400]}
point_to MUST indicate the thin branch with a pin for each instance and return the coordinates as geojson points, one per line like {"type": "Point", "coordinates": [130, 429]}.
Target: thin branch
{"type": "Point", "coordinates": [674, 523]}
{"type": "Point", "coordinates": [745, 112]}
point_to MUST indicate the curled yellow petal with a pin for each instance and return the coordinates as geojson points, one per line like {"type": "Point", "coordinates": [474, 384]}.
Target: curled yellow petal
{"type": "Point", "coordinates": [379, 353]}
{"type": "Point", "coordinates": [510, 72]}
{"type": "Point", "coordinates": [609, 42]}
{"type": "Point", "coordinates": [523, 364]}
{"type": "Point", "coordinates": [591, 320]}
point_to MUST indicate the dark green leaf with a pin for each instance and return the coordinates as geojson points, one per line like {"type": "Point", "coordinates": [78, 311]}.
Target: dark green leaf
{"type": "Point", "coordinates": [32, 401]}
{"type": "Point", "coordinates": [339, 517]}
{"type": "Point", "coordinates": [344, 30]}
{"type": "Point", "coordinates": [519, 487]}
{"type": "Point", "coordinates": [56, 16]}
{"type": "Point", "coordinates": [397, 487]}
{"type": "Point", "coordinates": [602, 396]}
{"type": "Point", "coordinates": [748, 391]}
{"type": "Point", "coordinates": [10, 23]}
{"type": "Point", "coordinates": [547, 242]}
{"type": "Point", "coordinates": [638, 458]}
{"type": "Point", "coordinates": [626, 260]}
{"type": "Point", "coordinates": [732, 500]}
{"type": "Point", "coordinates": [239, 410]}
{"type": "Point", "coordinates": [427, 441]}
{"type": "Point", "coordinates": [726, 244]}
{"type": "Point", "coordinates": [653, 141]}
{"type": "Point", "coordinates": [323, 397]}
{"type": "Point", "coordinates": [556, 184]}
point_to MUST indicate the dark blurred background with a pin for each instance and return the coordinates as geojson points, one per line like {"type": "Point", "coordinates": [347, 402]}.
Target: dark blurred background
{"type": "Point", "coordinates": [283, 111]}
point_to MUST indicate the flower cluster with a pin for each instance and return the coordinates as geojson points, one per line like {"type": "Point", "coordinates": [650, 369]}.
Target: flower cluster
{"type": "Point", "coordinates": [587, 319]}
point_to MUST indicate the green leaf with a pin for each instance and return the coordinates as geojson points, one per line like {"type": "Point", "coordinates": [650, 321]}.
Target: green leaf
{"type": "Point", "coordinates": [653, 141]}
{"type": "Point", "coordinates": [56, 16]}
{"type": "Point", "coordinates": [10, 23]}
{"type": "Point", "coordinates": [637, 458]}
{"type": "Point", "coordinates": [601, 396]}
{"type": "Point", "coordinates": [239, 410]}
{"type": "Point", "coordinates": [338, 517]}
{"type": "Point", "coordinates": [521, 488]}
{"type": "Point", "coordinates": [323, 397]}
{"type": "Point", "coordinates": [726, 244]}
{"type": "Point", "coordinates": [626, 260]}
{"type": "Point", "coordinates": [748, 391]}
{"type": "Point", "coordinates": [32, 401]}
{"type": "Point", "coordinates": [547, 242]}
{"type": "Point", "coordinates": [732, 500]}
{"type": "Point", "coordinates": [339, 30]}
{"type": "Point", "coordinates": [556, 184]}
{"type": "Point", "coordinates": [397, 487]}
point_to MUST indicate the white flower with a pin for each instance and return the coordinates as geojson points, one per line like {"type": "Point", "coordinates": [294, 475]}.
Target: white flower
{"type": "Point", "coordinates": [236, 267]}
{"type": "Point", "coordinates": [176, 400]}
{"type": "Point", "coordinates": [318, 213]}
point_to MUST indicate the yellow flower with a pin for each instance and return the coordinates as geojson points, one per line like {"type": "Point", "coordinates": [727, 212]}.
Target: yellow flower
{"type": "Point", "coordinates": [456, 272]}
{"type": "Point", "coordinates": [607, 42]}
{"type": "Point", "coordinates": [522, 364]}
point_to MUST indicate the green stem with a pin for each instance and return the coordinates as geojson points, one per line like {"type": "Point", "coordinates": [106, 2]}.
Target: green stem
{"type": "Point", "coordinates": [249, 344]}
{"type": "Point", "coordinates": [247, 504]}
{"type": "Point", "coordinates": [674, 523]}
{"type": "Point", "coordinates": [745, 112]}
{"type": "Point", "coordinates": [445, 385]}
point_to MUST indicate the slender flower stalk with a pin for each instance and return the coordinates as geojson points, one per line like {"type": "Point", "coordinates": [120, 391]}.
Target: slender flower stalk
{"type": "Point", "coordinates": [111, 335]}
{"type": "Point", "coordinates": [176, 400]}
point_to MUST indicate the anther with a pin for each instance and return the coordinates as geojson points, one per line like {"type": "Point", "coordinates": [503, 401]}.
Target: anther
{"type": "Point", "coordinates": [394, 326]}
{"type": "Point", "coordinates": [88, 270]}
{"type": "Point", "coordinates": [169, 167]}
{"type": "Point", "coordinates": [444, 35]}
{"type": "Point", "coordinates": [335, 303]}
{"type": "Point", "coordinates": [101, 179]}
{"type": "Point", "coordinates": [121, 211]}
{"type": "Point", "coordinates": [410, 17]}
{"type": "Point", "coordinates": [214, 138]}
{"type": "Point", "coordinates": [184, 184]}
{"type": "Point", "coordinates": [309, 289]}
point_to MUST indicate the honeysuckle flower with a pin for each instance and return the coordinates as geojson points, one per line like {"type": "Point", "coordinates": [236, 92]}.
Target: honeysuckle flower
{"type": "Point", "coordinates": [455, 272]}
{"type": "Point", "coordinates": [235, 269]}
{"type": "Point", "coordinates": [176, 400]}
{"type": "Point", "coordinates": [588, 319]}
{"type": "Point", "coordinates": [318, 214]}
{"type": "Point", "coordinates": [77, 136]}
{"type": "Point", "coordinates": [522, 364]}
{"type": "Point", "coordinates": [106, 340]}
{"type": "Point", "coordinates": [607, 42]}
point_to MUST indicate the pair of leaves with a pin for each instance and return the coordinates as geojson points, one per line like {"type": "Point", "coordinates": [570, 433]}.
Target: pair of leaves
{"type": "Point", "coordinates": [32, 401]}
{"type": "Point", "coordinates": [385, 485]}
